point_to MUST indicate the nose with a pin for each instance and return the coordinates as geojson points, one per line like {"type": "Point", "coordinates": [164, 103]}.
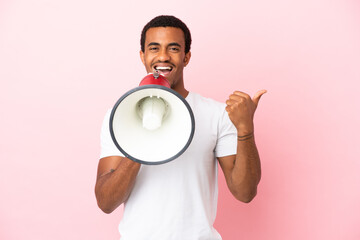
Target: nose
{"type": "Point", "coordinates": [164, 56]}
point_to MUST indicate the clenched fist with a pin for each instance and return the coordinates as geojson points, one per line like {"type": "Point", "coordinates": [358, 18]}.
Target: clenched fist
{"type": "Point", "coordinates": [241, 108]}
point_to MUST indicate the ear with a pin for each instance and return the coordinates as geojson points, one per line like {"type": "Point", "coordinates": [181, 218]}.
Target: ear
{"type": "Point", "coordinates": [187, 58]}
{"type": "Point", "coordinates": [142, 56]}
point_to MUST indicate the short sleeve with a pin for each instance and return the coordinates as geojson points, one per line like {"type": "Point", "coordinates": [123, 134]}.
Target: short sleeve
{"type": "Point", "coordinates": [108, 147]}
{"type": "Point", "coordinates": [227, 136]}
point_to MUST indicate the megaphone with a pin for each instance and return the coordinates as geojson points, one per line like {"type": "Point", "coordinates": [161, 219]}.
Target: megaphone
{"type": "Point", "coordinates": [152, 124]}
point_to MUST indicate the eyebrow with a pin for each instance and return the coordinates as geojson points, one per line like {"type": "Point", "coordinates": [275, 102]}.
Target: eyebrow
{"type": "Point", "coordinates": [158, 44]}
{"type": "Point", "coordinates": [153, 43]}
{"type": "Point", "coordinates": [174, 44]}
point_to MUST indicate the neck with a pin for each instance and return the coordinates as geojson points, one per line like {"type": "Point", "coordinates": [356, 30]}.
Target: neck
{"type": "Point", "coordinates": [184, 93]}
{"type": "Point", "coordinates": [180, 88]}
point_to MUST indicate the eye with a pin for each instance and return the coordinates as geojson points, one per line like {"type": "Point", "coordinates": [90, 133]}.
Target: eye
{"type": "Point", "coordinates": [153, 49]}
{"type": "Point", "coordinates": [174, 49]}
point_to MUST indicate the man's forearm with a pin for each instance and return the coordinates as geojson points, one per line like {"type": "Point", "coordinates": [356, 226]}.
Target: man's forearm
{"type": "Point", "coordinates": [246, 173]}
{"type": "Point", "coordinates": [114, 187]}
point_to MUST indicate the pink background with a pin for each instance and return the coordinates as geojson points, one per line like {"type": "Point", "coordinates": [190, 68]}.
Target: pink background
{"type": "Point", "coordinates": [64, 63]}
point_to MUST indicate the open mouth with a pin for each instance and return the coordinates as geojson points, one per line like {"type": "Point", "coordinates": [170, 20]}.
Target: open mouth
{"type": "Point", "coordinates": [164, 70]}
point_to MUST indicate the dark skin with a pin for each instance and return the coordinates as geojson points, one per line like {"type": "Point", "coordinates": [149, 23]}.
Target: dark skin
{"type": "Point", "coordinates": [164, 48]}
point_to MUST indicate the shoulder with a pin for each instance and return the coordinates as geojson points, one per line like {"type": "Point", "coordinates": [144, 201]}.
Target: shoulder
{"type": "Point", "coordinates": [204, 102]}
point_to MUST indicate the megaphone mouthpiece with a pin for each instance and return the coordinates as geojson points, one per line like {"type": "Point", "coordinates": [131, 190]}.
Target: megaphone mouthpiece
{"type": "Point", "coordinates": [155, 79]}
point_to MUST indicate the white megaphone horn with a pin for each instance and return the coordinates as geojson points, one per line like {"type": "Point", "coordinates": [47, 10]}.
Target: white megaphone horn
{"type": "Point", "coordinates": [152, 124]}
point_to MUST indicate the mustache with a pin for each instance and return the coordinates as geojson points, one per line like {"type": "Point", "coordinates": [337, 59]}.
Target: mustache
{"type": "Point", "coordinates": [167, 62]}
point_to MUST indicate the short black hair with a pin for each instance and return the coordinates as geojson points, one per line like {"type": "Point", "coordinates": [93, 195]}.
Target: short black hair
{"type": "Point", "coordinates": [166, 21]}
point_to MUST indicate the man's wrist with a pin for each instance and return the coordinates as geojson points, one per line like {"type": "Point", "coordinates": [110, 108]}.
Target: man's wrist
{"type": "Point", "coordinates": [246, 136]}
{"type": "Point", "coordinates": [241, 131]}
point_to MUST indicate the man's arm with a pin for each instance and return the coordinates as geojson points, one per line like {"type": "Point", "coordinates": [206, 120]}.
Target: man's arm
{"type": "Point", "coordinates": [243, 171]}
{"type": "Point", "coordinates": [115, 180]}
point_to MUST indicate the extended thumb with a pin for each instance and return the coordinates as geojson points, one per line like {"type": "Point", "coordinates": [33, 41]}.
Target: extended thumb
{"type": "Point", "coordinates": [258, 95]}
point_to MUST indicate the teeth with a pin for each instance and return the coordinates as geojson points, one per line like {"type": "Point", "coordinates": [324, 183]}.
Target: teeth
{"type": "Point", "coordinates": [163, 68]}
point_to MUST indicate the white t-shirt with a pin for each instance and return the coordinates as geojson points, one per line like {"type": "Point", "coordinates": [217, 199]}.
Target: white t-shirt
{"type": "Point", "coordinates": [178, 200]}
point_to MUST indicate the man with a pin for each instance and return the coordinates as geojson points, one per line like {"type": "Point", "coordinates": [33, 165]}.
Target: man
{"type": "Point", "coordinates": [178, 200]}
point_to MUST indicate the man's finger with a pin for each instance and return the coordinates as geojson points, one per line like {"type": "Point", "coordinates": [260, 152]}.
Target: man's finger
{"type": "Point", "coordinates": [241, 94]}
{"type": "Point", "coordinates": [230, 102]}
{"type": "Point", "coordinates": [258, 95]}
{"type": "Point", "coordinates": [228, 108]}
